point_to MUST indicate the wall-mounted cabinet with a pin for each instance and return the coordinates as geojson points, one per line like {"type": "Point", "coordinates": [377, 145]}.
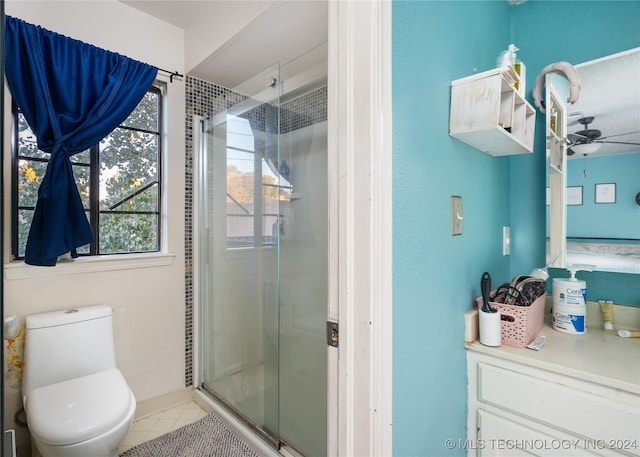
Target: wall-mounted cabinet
{"type": "Point", "coordinates": [488, 113]}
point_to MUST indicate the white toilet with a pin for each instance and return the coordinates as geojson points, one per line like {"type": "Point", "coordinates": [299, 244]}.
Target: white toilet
{"type": "Point", "coordinates": [78, 404]}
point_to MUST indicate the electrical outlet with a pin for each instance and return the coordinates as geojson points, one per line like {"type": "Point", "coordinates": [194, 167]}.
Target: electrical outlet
{"type": "Point", "coordinates": [456, 215]}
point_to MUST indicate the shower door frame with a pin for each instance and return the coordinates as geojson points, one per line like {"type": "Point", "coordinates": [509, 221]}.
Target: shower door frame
{"type": "Point", "coordinates": [359, 395]}
{"type": "Point", "coordinates": [360, 227]}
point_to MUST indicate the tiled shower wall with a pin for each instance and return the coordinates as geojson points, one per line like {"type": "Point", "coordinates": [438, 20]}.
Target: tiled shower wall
{"type": "Point", "coordinates": [207, 99]}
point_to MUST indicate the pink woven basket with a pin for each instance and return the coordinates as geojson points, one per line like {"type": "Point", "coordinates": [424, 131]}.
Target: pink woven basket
{"type": "Point", "coordinates": [520, 324]}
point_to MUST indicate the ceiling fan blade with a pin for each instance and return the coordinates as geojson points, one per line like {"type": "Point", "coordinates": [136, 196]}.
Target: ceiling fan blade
{"type": "Point", "coordinates": [576, 138]}
{"type": "Point", "coordinates": [616, 142]}
{"type": "Point", "coordinates": [619, 134]}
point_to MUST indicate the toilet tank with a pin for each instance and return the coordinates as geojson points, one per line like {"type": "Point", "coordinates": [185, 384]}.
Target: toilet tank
{"type": "Point", "coordinates": [67, 344]}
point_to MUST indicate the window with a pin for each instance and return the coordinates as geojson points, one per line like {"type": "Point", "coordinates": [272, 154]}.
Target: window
{"type": "Point", "coordinates": [118, 181]}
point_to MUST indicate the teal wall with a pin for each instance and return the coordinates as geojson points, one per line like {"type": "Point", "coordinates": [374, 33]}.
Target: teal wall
{"type": "Point", "coordinates": [611, 220]}
{"type": "Point", "coordinates": [436, 275]}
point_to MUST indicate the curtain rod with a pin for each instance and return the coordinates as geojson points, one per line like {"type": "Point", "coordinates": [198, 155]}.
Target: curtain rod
{"type": "Point", "coordinates": [172, 74]}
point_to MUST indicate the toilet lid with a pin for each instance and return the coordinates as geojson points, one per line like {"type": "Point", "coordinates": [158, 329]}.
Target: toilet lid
{"type": "Point", "coordinates": [79, 409]}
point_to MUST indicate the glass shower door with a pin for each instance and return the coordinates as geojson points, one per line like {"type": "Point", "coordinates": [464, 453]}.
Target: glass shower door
{"type": "Point", "coordinates": [303, 281]}
{"type": "Point", "coordinates": [241, 313]}
{"type": "Point", "coordinates": [264, 292]}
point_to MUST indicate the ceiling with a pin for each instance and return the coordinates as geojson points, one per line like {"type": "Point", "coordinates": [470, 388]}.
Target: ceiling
{"type": "Point", "coordinates": [178, 13]}
{"type": "Point", "coordinates": [610, 93]}
{"type": "Point", "coordinates": [284, 31]}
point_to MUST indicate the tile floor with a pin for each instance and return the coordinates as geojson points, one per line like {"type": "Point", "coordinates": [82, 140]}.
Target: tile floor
{"type": "Point", "coordinates": [157, 424]}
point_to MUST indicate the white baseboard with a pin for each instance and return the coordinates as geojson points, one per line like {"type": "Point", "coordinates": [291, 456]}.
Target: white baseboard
{"type": "Point", "coordinates": [154, 405]}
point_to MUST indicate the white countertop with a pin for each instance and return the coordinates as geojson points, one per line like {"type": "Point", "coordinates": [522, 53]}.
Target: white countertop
{"type": "Point", "coordinates": [598, 356]}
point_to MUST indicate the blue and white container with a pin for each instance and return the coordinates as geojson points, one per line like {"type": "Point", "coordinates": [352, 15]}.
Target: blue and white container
{"type": "Point", "coordinates": [569, 311]}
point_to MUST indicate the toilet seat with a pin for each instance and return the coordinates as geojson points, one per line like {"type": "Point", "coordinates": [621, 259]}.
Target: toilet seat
{"type": "Point", "coordinates": [77, 410]}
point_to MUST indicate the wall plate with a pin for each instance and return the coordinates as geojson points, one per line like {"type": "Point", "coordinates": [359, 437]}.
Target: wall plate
{"type": "Point", "coordinates": [456, 215]}
{"type": "Point", "coordinates": [506, 240]}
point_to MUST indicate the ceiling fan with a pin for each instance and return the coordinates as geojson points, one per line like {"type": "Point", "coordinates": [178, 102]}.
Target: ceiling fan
{"type": "Point", "coordinates": [591, 136]}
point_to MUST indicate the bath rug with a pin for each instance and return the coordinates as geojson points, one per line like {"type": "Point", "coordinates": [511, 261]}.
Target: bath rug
{"type": "Point", "coordinates": [207, 437]}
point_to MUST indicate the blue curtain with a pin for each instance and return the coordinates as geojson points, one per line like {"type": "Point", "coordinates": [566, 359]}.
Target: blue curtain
{"type": "Point", "coordinates": [72, 95]}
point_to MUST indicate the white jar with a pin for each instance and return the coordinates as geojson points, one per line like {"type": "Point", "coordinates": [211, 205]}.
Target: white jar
{"type": "Point", "coordinates": [570, 319]}
{"type": "Point", "coordinates": [569, 291]}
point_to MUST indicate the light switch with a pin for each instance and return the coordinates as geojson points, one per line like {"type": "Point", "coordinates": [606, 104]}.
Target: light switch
{"type": "Point", "coordinates": [456, 215]}
{"type": "Point", "coordinates": [506, 240]}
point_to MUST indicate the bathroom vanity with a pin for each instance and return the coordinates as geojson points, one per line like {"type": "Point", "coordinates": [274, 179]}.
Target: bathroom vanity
{"type": "Point", "coordinates": [578, 395]}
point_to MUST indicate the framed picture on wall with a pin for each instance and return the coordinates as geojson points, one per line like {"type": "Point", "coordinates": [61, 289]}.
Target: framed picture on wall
{"type": "Point", "coordinates": [574, 195]}
{"type": "Point", "coordinates": [606, 193]}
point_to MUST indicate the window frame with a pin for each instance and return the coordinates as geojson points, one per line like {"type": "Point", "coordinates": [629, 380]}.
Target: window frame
{"type": "Point", "coordinates": [94, 211]}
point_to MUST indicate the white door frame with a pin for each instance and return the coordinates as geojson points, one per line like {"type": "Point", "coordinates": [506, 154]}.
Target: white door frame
{"type": "Point", "coordinates": [360, 279]}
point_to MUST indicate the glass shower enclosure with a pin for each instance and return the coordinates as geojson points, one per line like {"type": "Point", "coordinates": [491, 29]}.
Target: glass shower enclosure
{"type": "Point", "coordinates": [263, 237]}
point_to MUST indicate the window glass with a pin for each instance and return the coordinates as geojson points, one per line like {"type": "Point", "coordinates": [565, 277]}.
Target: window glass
{"type": "Point", "coordinates": [81, 157]}
{"type": "Point", "coordinates": [147, 115]}
{"type": "Point", "coordinates": [129, 168]}
{"type": "Point", "coordinates": [27, 143]}
{"type": "Point", "coordinates": [81, 174]}
{"type": "Point", "coordinates": [30, 174]}
{"type": "Point", "coordinates": [120, 233]}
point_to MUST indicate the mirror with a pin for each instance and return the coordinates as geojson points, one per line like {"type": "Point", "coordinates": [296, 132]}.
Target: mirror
{"type": "Point", "coordinates": [593, 159]}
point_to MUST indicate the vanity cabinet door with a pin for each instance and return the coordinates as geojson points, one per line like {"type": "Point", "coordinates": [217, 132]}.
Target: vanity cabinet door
{"type": "Point", "coordinates": [503, 434]}
{"type": "Point", "coordinates": [586, 409]}
{"type": "Point", "coordinates": [518, 409]}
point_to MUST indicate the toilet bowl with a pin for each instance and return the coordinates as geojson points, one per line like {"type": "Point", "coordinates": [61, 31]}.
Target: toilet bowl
{"type": "Point", "coordinates": [77, 402]}
{"type": "Point", "coordinates": [83, 417]}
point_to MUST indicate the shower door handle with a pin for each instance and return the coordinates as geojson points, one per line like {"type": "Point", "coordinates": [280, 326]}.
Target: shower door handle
{"type": "Point", "coordinates": [333, 334]}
